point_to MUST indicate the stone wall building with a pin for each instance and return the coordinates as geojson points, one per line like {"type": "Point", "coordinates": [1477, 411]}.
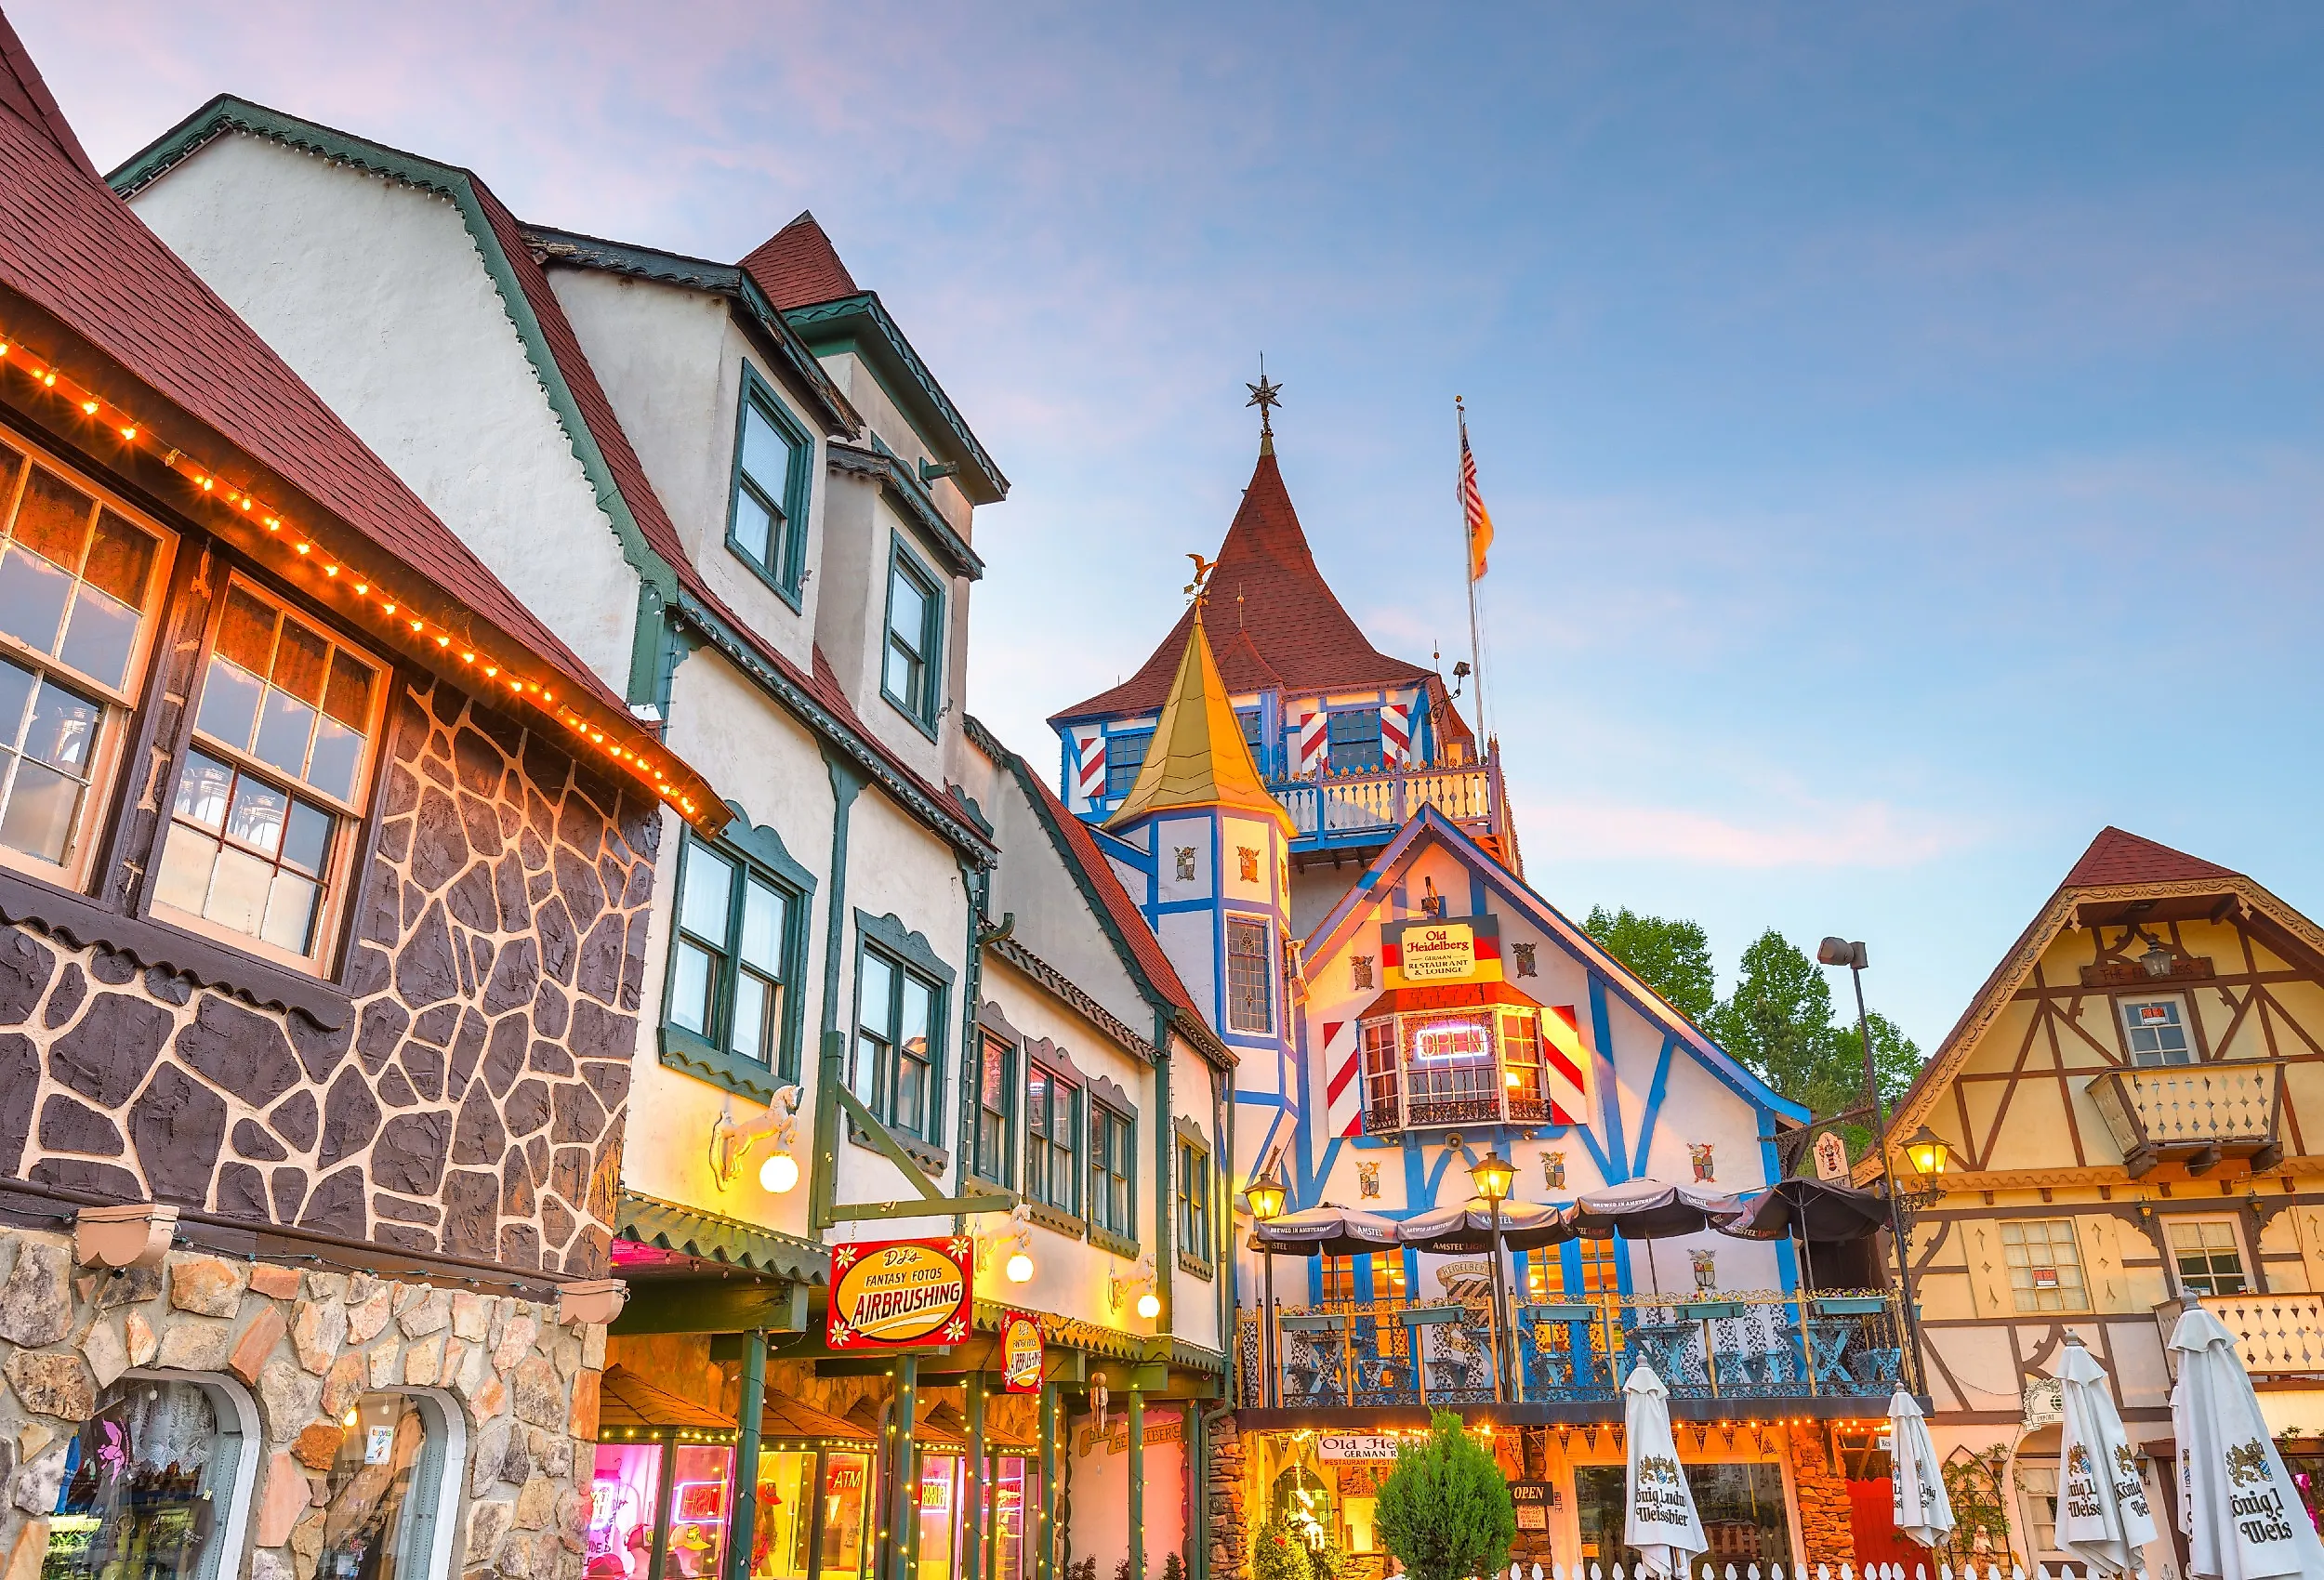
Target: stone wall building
{"type": "Point", "coordinates": [326, 872]}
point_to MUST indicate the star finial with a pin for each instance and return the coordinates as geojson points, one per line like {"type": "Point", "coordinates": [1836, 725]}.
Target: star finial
{"type": "Point", "coordinates": [1265, 396]}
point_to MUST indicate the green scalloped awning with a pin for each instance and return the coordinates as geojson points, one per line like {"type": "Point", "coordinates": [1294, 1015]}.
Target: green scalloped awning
{"type": "Point", "coordinates": [692, 1233]}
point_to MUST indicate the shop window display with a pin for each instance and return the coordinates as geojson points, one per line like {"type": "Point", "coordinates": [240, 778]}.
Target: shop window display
{"type": "Point", "coordinates": [701, 1478]}
{"type": "Point", "coordinates": [940, 1481]}
{"type": "Point", "coordinates": [1741, 1508]}
{"type": "Point", "coordinates": [378, 1519]}
{"type": "Point", "coordinates": [622, 1494]}
{"type": "Point", "coordinates": [147, 1484]}
{"type": "Point", "coordinates": [847, 1481]}
{"type": "Point", "coordinates": [1012, 1500]}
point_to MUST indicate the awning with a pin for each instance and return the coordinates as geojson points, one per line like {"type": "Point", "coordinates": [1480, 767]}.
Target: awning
{"type": "Point", "coordinates": [691, 1233]}
{"type": "Point", "coordinates": [624, 1399]}
{"type": "Point", "coordinates": [1451, 996]}
{"type": "Point", "coordinates": [1817, 1210]}
{"type": "Point", "coordinates": [789, 1420]}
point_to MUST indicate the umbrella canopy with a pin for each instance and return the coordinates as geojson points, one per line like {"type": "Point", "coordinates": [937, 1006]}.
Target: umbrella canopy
{"type": "Point", "coordinates": [1326, 1231]}
{"type": "Point", "coordinates": [1525, 1226]}
{"type": "Point", "coordinates": [1648, 1209]}
{"type": "Point", "coordinates": [1812, 1209]}
{"type": "Point", "coordinates": [1660, 1521]}
{"type": "Point", "coordinates": [2242, 1516]}
{"type": "Point", "coordinates": [2103, 1516]}
{"type": "Point", "coordinates": [1923, 1511]}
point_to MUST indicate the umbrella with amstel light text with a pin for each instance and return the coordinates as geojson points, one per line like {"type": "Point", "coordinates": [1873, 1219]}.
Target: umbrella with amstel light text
{"type": "Point", "coordinates": [1660, 1517]}
{"type": "Point", "coordinates": [1923, 1511]}
{"type": "Point", "coordinates": [2102, 1513]}
{"type": "Point", "coordinates": [2242, 1516]}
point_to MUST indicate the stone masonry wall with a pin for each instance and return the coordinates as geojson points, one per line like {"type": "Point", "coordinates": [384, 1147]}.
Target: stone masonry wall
{"type": "Point", "coordinates": [1823, 1508]}
{"type": "Point", "coordinates": [306, 1344]}
{"type": "Point", "coordinates": [500, 946]}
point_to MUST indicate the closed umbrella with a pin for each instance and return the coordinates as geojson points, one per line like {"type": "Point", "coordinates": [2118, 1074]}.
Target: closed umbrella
{"type": "Point", "coordinates": [1659, 1520]}
{"type": "Point", "coordinates": [2242, 1516]}
{"type": "Point", "coordinates": [1326, 1231]}
{"type": "Point", "coordinates": [2103, 1516]}
{"type": "Point", "coordinates": [1923, 1511]}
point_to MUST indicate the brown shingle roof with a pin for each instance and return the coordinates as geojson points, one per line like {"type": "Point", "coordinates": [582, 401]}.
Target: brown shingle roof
{"type": "Point", "coordinates": [2116, 856]}
{"type": "Point", "coordinates": [1276, 622]}
{"type": "Point", "coordinates": [798, 266]}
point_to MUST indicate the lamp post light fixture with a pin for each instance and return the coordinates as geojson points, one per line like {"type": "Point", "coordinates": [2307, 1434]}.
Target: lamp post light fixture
{"type": "Point", "coordinates": [1265, 1195]}
{"type": "Point", "coordinates": [1493, 1175]}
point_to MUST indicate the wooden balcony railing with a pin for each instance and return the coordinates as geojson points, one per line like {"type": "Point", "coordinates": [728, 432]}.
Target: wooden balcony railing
{"type": "Point", "coordinates": [2276, 1334]}
{"type": "Point", "coordinates": [2191, 1113]}
{"type": "Point", "coordinates": [1343, 808]}
{"type": "Point", "coordinates": [1710, 1344]}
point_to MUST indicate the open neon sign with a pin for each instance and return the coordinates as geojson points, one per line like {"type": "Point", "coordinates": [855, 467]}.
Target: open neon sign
{"type": "Point", "coordinates": [1451, 1041]}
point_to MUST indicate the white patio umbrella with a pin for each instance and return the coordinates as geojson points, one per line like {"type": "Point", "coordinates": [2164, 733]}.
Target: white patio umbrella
{"type": "Point", "coordinates": [2242, 1516]}
{"type": "Point", "coordinates": [2103, 1517]}
{"type": "Point", "coordinates": [1661, 1519]}
{"type": "Point", "coordinates": [1923, 1511]}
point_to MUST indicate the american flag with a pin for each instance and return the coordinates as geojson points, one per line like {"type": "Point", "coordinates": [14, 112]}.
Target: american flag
{"type": "Point", "coordinates": [1473, 514]}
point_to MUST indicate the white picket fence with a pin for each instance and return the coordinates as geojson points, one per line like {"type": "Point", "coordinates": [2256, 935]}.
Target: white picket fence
{"type": "Point", "coordinates": [1823, 1572]}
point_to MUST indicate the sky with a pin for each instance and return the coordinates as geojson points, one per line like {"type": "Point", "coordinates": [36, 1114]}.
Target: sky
{"type": "Point", "coordinates": [1901, 423]}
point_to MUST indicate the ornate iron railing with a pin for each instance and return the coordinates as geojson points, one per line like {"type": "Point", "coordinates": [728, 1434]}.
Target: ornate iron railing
{"type": "Point", "coordinates": [1751, 1346]}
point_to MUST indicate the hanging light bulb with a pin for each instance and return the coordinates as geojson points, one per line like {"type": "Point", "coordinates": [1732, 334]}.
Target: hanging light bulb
{"type": "Point", "coordinates": [1020, 1267]}
{"type": "Point", "coordinates": [1149, 1305]}
{"type": "Point", "coordinates": [779, 1173]}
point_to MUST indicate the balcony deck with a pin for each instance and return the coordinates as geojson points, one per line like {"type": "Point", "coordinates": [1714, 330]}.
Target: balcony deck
{"type": "Point", "coordinates": [1740, 1350]}
{"type": "Point", "coordinates": [2276, 1336]}
{"type": "Point", "coordinates": [2196, 1114]}
{"type": "Point", "coordinates": [1366, 805]}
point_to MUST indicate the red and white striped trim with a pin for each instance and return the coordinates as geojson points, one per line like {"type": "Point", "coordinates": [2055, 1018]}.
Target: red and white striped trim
{"type": "Point", "coordinates": [1311, 743]}
{"type": "Point", "coordinates": [1564, 1065]}
{"type": "Point", "coordinates": [1344, 1091]}
{"type": "Point", "coordinates": [1396, 732]}
{"type": "Point", "coordinates": [1089, 765]}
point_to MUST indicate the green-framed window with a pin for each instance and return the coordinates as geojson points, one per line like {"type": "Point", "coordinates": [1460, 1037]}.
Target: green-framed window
{"type": "Point", "coordinates": [1194, 1199]}
{"type": "Point", "coordinates": [910, 670]}
{"type": "Point", "coordinates": [996, 1112]}
{"type": "Point", "coordinates": [1113, 1172]}
{"type": "Point", "coordinates": [1052, 1130]}
{"type": "Point", "coordinates": [766, 522]}
{"type": "Point", "coordinates": [730, 1005]}
{"type": "Point", "coordinates": [899, 1042]}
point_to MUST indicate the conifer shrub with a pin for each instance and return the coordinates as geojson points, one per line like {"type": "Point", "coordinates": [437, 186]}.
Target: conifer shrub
{"type": "Point", "coordinates": [1173, 1567]}
{"type": "Point", "coordinates": [1445, 1511]}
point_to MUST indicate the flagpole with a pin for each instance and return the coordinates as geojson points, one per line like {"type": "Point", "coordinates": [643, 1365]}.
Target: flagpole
{"type": "Point", "coordinates": [1468, 573]}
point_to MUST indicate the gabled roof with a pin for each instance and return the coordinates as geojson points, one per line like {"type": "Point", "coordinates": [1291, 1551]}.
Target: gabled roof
{"type": "Point", "coordinates": [1197, 756]}
{"type": "Point", "coordinates": [648, 539]}
{"type": "Point", "coordinates": [2119, 857]}
{"type": "Point", "coordinates": [2117, 866]}
{"type": "Point", "coordinates": [1375, 883]}
{"type": "Point", "coordinates": [798, 266]}
{"type": "Point", "coordinates": [73, 250]}
{"type": "Point", "coordinates": [1134, 943]}
{"type": "Point", "coordinates": [1289, 630]}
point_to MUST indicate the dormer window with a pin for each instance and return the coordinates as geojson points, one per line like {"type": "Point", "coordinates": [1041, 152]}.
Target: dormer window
{"type": "Point", "coordinates": [916, 624]}
{"type": "Point", "coordinates": [1471, 1063]}
{"type": "Point", "coordinates": [768, 525]}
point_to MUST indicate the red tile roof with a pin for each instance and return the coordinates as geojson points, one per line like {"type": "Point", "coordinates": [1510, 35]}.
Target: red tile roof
{"type": "Point", "coordinates": [2116, 856]}
{"type": "Point", "coordinates": [75, 250]}
{"type": "Point", "coordinates": [1274, 621]}
{"type": "Point", "coordinates": [798, 266]}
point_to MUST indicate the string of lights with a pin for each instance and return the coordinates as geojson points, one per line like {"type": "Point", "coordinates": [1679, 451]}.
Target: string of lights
{"type": "Point", "coordinates": [383, 604]}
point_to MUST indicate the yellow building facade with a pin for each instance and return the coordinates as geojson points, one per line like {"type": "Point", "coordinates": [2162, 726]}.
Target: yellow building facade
{"type": "Point", "coordinates": [2127, 1116]}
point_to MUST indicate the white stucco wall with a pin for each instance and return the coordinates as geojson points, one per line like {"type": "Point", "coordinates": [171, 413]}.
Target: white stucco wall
{"type": "Point", "coordinates": [375, 294]}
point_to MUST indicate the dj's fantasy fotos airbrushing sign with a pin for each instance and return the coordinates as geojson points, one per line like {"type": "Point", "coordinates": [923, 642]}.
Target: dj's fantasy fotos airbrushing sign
{"type": "Point", "coordinates": [886, 1293]}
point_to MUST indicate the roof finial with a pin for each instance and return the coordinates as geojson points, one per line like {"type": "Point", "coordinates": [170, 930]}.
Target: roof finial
{"type": "Point", "coordinates": [1264, 396]}
{"type": "Point", "coordinates": [1199, 588]}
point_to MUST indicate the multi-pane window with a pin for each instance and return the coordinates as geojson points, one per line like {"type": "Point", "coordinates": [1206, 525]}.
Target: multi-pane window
{"type": "Point", "coordinates": [899, 1031]}
{"type": "Point", "coordinates": [1053, 1124]}
{"type": "Point", "coordinates": [2045, 1269]}
{"type": "Point", "coordinates": [1250, 734]}
{"type": "Point", "coordinates": [273, 789]}
{"type": "Point", "coordinates": [2039, 1483]}
{"type": "Point", "coordinates": [731, 962]}
{"type": "Point", "coordinates": [915, 626]}
{"type": "Point", "coordinates": [1112, 1165]}
{"type": "Point", "coordinates": [768, 452]}
{"type": "Point", "coordinates": [2155, 1030]}
{"type": "Point", "coordinates": [1459, 1067]}
{"type": "Point", "coordinates": [1520, 1067]}
{"type": "Point", "coordinates": [1194, 1199]}
{"type": "Point", "coordinates": [2207, 1255]}
{"type": "Point", "coordinates": [1379, 1074]}
{"type": "Point", "coordinates": [1353, 738]}
{"type": "Point", "coordinates": [997, 1112]}
{"type": "Point", "coordinates": [1124, 755]}
{"type": "Point", "coordinates": [78, 581]}
{"type": "Point", "coordinates": [1337, 1279]}
{"type": "Point", "coordinates": [1250, 989]}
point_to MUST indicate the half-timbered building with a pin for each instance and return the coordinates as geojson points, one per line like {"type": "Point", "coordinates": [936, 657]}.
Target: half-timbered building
{"type": "Point", "coordinates": [2117, 1125]}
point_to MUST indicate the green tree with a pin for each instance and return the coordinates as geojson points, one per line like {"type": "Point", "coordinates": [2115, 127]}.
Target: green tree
{"type": "Point", "coordinates": [1445, 1511]}
{"type": "Point", "coordinates": [1670, 955]}
{"type": "Point", "coordinates": [1896, 1058]}
{"type": "Point", "coordinates": [1777, 1020]}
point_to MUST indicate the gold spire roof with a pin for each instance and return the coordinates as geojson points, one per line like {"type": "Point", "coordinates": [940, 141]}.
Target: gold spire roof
{"type": "Point", "coordinates": [1199, 757]}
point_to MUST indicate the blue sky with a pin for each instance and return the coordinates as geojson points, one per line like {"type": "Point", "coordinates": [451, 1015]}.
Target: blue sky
{"type": "Point", "coordinates": [1902, 424]}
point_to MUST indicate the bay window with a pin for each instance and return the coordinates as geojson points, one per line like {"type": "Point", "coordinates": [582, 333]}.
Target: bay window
{"type": "Point", "coordinates": [272, 790]}
{"type": "Point", "coordinates": [79, 584]}
{"type": "Point", "coordinates": [1473, 1065]}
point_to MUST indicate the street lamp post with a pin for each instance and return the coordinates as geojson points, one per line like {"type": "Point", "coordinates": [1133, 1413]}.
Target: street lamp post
{"type": "Point", "coordinates": [1265, 1196]}
{"type": "Point", "coordinates": [1840, 952]}
{"type": "Point", "coordinates": [1492, 1175]}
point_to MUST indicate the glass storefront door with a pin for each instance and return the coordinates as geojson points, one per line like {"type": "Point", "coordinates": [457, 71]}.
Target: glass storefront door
{"type": "Point", "coordinates": [1741, 1508]}
{"type": "Point", "coordinates": [701, 1498]}
{"type": "Point", "coordinates": [784, 1528]}
{"type": "Point", "coordinates": [1012, 1500]}
{"type": "Point", "coordinates": [846, 1500]}
{"type": "Point", "coordinates": [939, 1517]}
